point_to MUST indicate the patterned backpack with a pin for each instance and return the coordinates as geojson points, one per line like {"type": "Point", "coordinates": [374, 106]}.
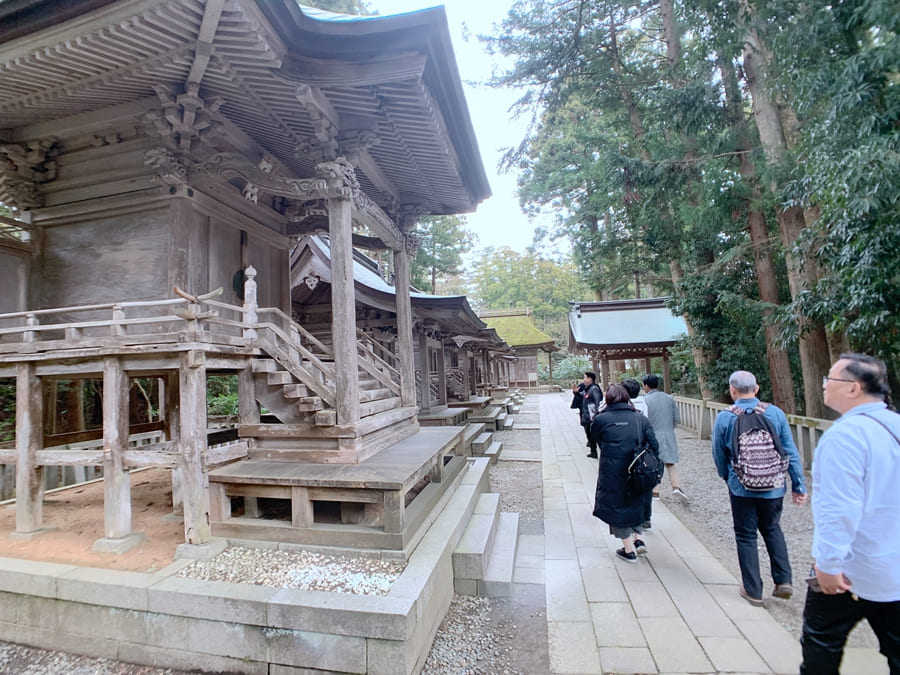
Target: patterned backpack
{"type": "Point", "coordinates": [759, 460]}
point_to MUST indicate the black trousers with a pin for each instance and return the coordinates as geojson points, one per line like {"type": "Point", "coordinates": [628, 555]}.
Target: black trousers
{"type": "Point", "coordinates": [752, 514]}
{"type": "Point", "coordinates": [592, 444]}
{"type": "Point", "coordinates": [828, 619]}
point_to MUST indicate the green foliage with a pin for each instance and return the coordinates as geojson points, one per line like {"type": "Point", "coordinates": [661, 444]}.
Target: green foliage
{"type": "Point", "coordinates": [842, 69]}
{"type": "Point", "coordinates": [354, 7]}
{"type": "Point", "coordinates": [506, 279]}
{"type": "Point", "coordinates": [567, 368]}
{"type": "Point", "coordinates": [222, 395]}
{"type": "Point", "coordinates": [443, 240]}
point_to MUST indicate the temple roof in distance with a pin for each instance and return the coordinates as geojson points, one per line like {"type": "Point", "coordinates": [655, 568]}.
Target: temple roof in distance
{"type": "Point", "coordinates": [517, 328]}
{"type": "Point", "coordinates": [624, 328]}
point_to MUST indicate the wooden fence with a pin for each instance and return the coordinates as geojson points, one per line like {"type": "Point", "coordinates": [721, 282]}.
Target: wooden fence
{"type": "Point", "coordinates": [698, 415]}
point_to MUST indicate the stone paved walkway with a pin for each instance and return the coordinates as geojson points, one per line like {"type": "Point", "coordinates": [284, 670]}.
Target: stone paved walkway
{"type": "Point", "coordinates": [676, 611]}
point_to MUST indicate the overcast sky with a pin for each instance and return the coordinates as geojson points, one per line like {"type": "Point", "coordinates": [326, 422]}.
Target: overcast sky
{"type": "Point", "coordinates": [498, 220]}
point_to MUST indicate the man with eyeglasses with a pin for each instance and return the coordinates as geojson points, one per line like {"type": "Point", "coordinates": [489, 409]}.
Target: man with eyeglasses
{"type": "Point", "coordinates": [856, 511]}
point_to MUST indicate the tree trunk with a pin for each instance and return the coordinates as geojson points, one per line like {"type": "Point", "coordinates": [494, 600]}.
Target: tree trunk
{"type": "Point", "coordinates": [700, 360]}
{"type": "Point", "coordinates": [779, 364]}
{"type": "Point", "coordinates": [813, 345]}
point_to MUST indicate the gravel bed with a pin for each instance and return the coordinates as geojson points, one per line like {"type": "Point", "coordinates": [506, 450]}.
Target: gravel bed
{"type": "Point", "coordinates": [298, 569]}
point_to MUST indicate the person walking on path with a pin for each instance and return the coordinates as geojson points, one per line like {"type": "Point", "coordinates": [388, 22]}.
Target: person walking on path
{"type": "Point", "coordinates": [619, 430]}
{"type": "Point", "coordinates": [856, 512]}
{"type": "Point", "coordinates": [753, 509]}
{"type": "Point", "coordinates": [663, 415]}
{"type": "Point", "coordinates": [633, 387]}
{"type": "Point", "coordinates": [591, 398]}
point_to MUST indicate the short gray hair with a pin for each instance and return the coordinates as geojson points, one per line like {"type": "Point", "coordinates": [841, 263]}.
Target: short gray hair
{"type": "Point", "coordinates": [743, 381]}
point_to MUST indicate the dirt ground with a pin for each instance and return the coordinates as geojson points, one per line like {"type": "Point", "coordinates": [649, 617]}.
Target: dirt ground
{"type": "Point", "coordinates": [77, 515]}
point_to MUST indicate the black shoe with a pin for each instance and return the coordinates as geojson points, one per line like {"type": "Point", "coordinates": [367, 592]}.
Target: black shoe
{"type": "Point", "coordinates": [592, 455]}
{"type": "Point", "coordinates": [627, 557]}
{"type": "Point", "coordinates": [647, 525]}
{"type": "Point", "coordinates": [640, 547]}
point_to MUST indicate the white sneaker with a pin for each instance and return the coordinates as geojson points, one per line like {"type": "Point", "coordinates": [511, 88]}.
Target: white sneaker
{"type": "Point", "coordinates": [678, 492]}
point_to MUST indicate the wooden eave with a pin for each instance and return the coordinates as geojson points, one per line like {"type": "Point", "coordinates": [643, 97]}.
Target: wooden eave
{"type": "Point", "coordinates": [395, 77]}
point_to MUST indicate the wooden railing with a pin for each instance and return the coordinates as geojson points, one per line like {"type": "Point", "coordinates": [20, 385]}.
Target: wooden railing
{"type": "Point", "coordinates": [378, 362]}
{"type": "Point", "coordinates": [699, 415]}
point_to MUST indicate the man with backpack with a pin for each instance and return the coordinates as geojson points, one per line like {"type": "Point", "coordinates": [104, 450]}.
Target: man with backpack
{"type": "Point", "coordinates": [591, 399]}
{"type": "Point", "coordinates": [752, 449]}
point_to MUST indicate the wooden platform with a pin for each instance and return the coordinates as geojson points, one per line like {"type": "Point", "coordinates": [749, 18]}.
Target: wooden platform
{"type": "Point", "coordinates": [378, 503]}
{"type": "Point", "coordinates": [475, 404]}
{"type": "Point", "coordinates": [444, 417]}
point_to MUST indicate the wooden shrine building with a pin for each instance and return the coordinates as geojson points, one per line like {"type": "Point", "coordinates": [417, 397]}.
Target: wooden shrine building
{"type": "Point", "coordinates": [616, 330]}
{"type": "Point", "coordinates": [516, 327]}
{"type": "Point", "coordinates": [454, 353]}
{"type": "Point", "coordinates": [162, 158]}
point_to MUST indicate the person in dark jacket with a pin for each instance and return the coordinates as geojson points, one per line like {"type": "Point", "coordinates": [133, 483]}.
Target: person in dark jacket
{"type": "Point", "coordinates": [591, 398]}
{"type": "Point", "coordinates": [618, 430]}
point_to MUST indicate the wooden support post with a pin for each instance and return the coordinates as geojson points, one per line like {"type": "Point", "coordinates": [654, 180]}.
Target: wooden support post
{"type": "Point", "coordinates": [604, 372]}
{"type": "Point", "coordinates": [405, 351]}
{"type": "Point", "coordinates": [29, 439]}
{"type": "Point", "coordinates": [442, 375]}
{"type": "Point", "coordinates": [301, 507]}
{"type": "Point", "coordinates": [248, 410]}
{"type": "Point", "coordinates": [172, 420]}
{"type": "Point", "coordinates": [667, 378]}
{"type": "Point", "coordinates": [195, 476]}
{"type": "Point", "coordinates": [424, 396]}
{"type": "Point", "coordinates": [116, 479]}
{"type": "Point", "coordinates": [343, 312]}
{"type": "Point", "coordinates": [393, 511]}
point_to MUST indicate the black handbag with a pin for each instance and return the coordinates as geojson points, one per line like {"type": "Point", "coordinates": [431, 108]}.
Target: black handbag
{"type": "Point", "coordinates": [646, 468]}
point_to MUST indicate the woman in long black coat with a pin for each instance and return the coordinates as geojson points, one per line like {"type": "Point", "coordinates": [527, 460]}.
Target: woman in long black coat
{"type": "Point", "coordinates": [618, 430]}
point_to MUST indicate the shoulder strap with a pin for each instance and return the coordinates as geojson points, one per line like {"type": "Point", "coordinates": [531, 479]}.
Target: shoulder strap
{"type": "Point", "coordinates": [872, 417]}
{"type": "Point", "coordinates": [734, 410]}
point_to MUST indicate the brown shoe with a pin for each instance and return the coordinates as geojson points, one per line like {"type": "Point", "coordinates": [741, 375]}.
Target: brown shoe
{"type": "Point", "coordinates": [783, 591]}
{"type": "Point", "coordinates": [756, 602]}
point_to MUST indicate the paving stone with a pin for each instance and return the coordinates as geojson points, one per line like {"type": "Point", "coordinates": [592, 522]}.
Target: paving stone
{"type": "Point", "coordinates": [631, 660]}
{"type": "Point", "coordinates": [615, 625]}
{"type": "Point", "coordinates": [573, 650]}
{"type": "Point", "coordinates": [566, 600]}
{"type": "Point", "coordinates": [774, 643]}
{"type": "Point", "coordinates": [673, 645]}
{"type": "Point", "coordinates": [649, 598]}
{"type": "Point", "coordinates": [602, 584]}
{"type": "Point", "coordinates": [732, 654]}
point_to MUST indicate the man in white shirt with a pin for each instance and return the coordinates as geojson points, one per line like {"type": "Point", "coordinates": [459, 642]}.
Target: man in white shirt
{"type": "Point", "coordinates": [856, 510]}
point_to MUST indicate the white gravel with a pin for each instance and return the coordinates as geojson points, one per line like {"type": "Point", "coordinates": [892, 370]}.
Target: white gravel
{"type": "Point", "coordinates": [298, 569]}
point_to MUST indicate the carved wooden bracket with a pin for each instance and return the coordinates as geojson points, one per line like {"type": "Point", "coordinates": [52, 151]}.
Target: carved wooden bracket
{"type": "Point", "coordinates": [184, 117]}
{"type": "Point", "coordinates": [170, 169]}
{"type": "Point", "coordinates": [22, 167]}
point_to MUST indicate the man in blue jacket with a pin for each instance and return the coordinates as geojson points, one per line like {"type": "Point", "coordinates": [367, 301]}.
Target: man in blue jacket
{"type": "Point", "coordinates": [856, 510]}
{"type": "Point", "coordinates": [753, 510]}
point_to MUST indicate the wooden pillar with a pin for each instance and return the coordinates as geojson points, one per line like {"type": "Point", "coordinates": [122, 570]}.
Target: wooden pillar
{"type": "Point", "coordinates": [405, 352]}
{"type": "Point", "coordinates": [647, 365]}
{"type": "Point", "coordinates": [667, 379]}
{"type": "Point", "coordinates": [195, 475]}
{"type": "Point", "coordinates": [423, 394]}
{"type": "Point", "coordinates": [29, 439]}
{"type": "Point", "coordinates": [170, 412]}
{"type": "Point", "coordinates": [442, 375]}
{"type": "Point", "coordinates": [343, 312]}
{"type": "Point", "coordinates": [116, 478]}
{"type": "Point", "coordinates": [248, 410]}
{"type": "Point", "coordinates": [604, 372]}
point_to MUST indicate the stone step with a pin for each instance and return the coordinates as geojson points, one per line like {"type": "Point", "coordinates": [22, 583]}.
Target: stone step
{"type": "Point", "coordinates": [493, 452]}
{"type": "Point", "coordinates": [508, 423]}
{"type": "Point", "coordinates": [470, 557]}
{"type": "Point", "coordinates": [482, 442]}
{"type": "Point", "coordinates": [498, 577]}
{"type": "Point", "coordinates": [514, 410]}
{"type": "Point", "coordinates": [500, 420]}
{"type": "Point", "coordinates": [471, 433]}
